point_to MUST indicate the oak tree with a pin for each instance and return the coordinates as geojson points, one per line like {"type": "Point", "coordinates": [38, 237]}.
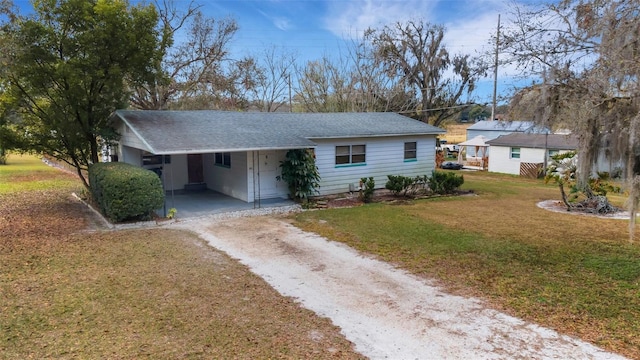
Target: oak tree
{"type": "Point", "coordinates": [414, 54]}
{"type": "Point", "coordinates": [70, 69]}
{"type": "Point", "coordinates": [587, 55]}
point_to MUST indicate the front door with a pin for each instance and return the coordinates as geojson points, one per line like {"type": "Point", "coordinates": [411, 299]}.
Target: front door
{"type": "Point", "coordinates": [269, 168]}
{"type": "Point", "coordinates": [195, 169]}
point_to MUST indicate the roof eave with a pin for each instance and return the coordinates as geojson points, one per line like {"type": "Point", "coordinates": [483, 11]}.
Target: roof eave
{"type": "Point", "coordinates": [221, 150]}
{"type": "Point", "coordinates": [375, 135]}
{"type": "Point", "coordinates": [135, 131]}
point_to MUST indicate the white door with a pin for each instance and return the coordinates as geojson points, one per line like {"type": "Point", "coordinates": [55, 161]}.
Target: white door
{"type": "Point", "coordinates": [268, 169]}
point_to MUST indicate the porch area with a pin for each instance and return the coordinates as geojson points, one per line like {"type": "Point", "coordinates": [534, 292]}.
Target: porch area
{"type": "Point", "coordinates": [191, 204]}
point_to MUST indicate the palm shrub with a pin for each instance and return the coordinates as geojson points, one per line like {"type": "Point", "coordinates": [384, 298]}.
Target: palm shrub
{"type": "Point", "coordinates": [563, 172]}
{"type": "Point", "coordinates": [300, 172]}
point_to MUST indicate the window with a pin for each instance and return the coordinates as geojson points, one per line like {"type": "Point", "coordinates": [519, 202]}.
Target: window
{"type": "Point", "coordinates": [410, 150]}
{"type": "Point", "coordinates": [515, 153]}
{"type": "Point", "coordinates": [350, 154]}
{"type": "Point", "coordinates": [223, 159]}
{"type": "Point", "coordinates": [552, 152]}
{"type": "Point", "coordinates": [150, 159]}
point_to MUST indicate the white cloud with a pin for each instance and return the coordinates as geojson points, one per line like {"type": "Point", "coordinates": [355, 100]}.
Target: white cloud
{"type": "Point", "coordinates": [351, 17]}
{"type": "Point", "coordinates": [280, 22]}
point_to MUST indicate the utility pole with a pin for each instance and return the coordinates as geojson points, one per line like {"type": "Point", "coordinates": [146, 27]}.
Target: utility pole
{"type": "Point", "coordinates": [495, 73]}
{"type": "Point", "coordinates": [289, 80]}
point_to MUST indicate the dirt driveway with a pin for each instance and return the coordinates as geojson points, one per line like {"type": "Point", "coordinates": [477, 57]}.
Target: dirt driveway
{"type": "Point", "coordinates": [385, 312]}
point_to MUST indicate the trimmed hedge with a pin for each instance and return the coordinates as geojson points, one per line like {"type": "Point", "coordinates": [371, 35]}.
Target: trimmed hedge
{"type": "Point", "coordinates": [125, 192]}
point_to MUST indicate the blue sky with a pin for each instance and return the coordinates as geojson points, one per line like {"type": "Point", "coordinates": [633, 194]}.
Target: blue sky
{"type": "Point", "coordinates": [313, 28]}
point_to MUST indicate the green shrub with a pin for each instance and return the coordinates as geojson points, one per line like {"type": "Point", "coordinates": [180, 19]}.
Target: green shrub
{"type": "Point", "coordinates": [445, 182]}
{"type": "Point", "coordinates": [367, 186]}
{"type": "Point", "coordinates": [125, 192]}
{"type": "Point", "coordinates": [300, 172]}
{"type": "Point", "coordinates": [406, 186]}
{"type": "Point", "coordinates": [399, 184]}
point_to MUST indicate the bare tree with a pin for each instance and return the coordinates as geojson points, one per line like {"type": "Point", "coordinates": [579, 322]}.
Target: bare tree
{"type": "Point", "coordinates": [373, 89]}
{"type": "Point", "coordinates": [353, 82]}
{"type": "Point", "coordinates": [273, 79]}
{"type": "Point", "coordinates": [414, 54]}
{"type": "Point", "coordinates": [586, 53]}
{"type": "Point", "coordinates": [324, 86]}
{"type": "Point", "coordinates": [190, 68]}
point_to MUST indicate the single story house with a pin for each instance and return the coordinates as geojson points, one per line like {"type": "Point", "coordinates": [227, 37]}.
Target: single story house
{"type": "Point", "coordinates": [239, 153]}
{"type": "Point", "coordinates": [526, 154]}
{"type": "Point", "coordinates": [492, 129]}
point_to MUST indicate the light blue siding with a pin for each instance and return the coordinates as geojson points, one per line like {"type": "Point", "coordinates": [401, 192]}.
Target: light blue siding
{"type": "Point", "coordinates": [384, 156]}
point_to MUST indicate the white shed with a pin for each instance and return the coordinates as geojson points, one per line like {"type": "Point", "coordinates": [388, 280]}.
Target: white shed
{"type": "Point", "coordinates": [525, 154]}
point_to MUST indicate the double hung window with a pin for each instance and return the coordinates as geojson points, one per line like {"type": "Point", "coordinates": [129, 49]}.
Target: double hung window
{"type": "Point", "coordinates": [410, 151]}
{"type": "Point", "coordinates": [351, 154]}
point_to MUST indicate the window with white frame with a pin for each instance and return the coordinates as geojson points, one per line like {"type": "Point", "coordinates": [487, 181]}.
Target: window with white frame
{"type": "Point", "coordinates": [223, 159]}
{"type": "Point", "coordinates": [552, 152]}
{"type": "Point", "coordinates": [515, 153]}
{"type": "Point", "coordinates": [410, 150]}
{"type": "Point", "coordinates": [350, 154]}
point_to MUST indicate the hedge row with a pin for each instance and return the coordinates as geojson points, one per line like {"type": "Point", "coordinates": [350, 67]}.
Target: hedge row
{"type": "Point", "coordinates": [125, 192]}
{"type": "Point", "coordinates": [439, 183]}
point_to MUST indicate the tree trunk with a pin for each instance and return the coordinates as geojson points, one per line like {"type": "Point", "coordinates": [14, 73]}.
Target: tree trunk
{"type": "Point", "coordinates": [564, 197]}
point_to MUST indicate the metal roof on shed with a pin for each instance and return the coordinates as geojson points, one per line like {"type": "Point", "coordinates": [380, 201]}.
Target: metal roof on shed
{"type": "Point", "coordinates": [536, 141]}
{"type": "Point", "coordinates": [171, 132]}
{"type": "Point", "coordinates": [498, 125]}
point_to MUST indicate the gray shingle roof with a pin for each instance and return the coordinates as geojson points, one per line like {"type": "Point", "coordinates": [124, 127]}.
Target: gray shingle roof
{"type": "Point", "coordinates": [168, 132]}
{"type": "Point", "coordinates": [536, 141]}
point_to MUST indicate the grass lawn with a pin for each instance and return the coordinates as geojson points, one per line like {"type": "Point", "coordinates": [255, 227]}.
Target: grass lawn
{"type": "Point", "coordinates": [161, 294]}
{"type": "Point", "coordinates": [576, 274]}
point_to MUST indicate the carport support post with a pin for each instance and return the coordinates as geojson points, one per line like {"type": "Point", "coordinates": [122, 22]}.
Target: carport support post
{"type": "Point", "coordinates": [164, 190]}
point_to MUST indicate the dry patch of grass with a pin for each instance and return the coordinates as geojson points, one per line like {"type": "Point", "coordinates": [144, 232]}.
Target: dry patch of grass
{"type": "Point", "coordinates": [572, 273]}
{"type": "Point", "coordinates": [72, 293]}
{"type": "Point", "coordinates": [456, 133]}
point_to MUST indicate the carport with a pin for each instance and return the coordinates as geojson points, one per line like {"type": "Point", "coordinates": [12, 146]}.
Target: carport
{"type": "Point", "coordinates": [192, 204]}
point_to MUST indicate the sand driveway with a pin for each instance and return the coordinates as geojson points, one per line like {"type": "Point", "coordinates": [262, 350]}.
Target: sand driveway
{"type": "Point", "coordinates": [385, 312]}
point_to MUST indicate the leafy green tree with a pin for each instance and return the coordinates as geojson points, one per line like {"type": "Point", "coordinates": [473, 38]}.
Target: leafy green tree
{"type": "Point", "coordinates": [479, 112]}
{"type": "Point", "coordinates": [71, 68]}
